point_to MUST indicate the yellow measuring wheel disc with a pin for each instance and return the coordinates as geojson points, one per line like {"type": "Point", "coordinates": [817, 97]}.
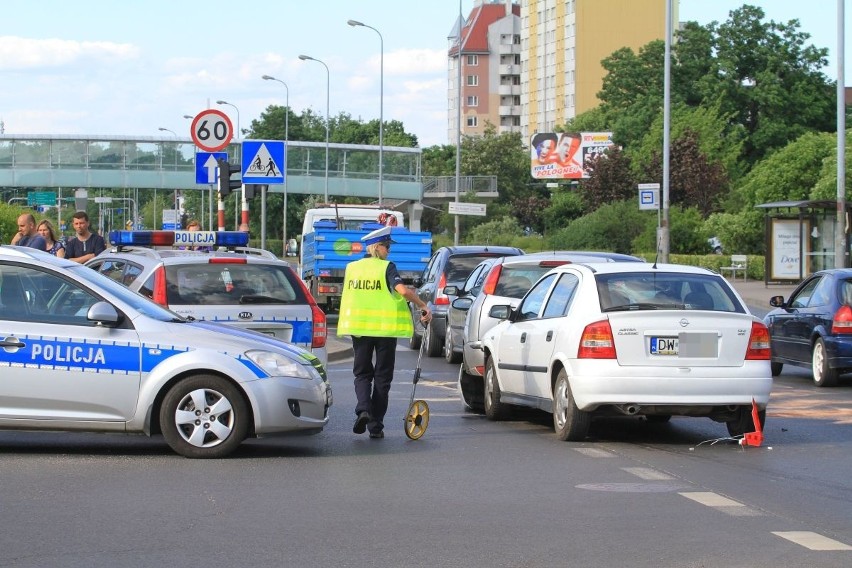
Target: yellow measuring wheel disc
{"type": "Point", "coordinates": [417, 419]}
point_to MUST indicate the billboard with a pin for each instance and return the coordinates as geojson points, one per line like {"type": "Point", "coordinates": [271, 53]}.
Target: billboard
{"type": "Point", "coordinates": [565, 155]}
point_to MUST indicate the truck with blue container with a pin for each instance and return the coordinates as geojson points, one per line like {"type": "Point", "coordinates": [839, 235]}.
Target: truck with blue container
{"type": "Point", "coordinates": [331, 239]}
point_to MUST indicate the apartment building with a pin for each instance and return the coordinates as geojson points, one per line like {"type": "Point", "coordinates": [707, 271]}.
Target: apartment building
{"type": "Point", "coordinates": [490, 57]}
{"type": "Point", "coordinates": [530, 66]}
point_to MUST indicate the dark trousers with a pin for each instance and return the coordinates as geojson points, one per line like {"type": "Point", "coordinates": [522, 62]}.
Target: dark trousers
{"type": "Point", "coordinates": [373, 381]}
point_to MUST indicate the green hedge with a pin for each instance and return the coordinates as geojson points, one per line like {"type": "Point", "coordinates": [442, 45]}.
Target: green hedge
{"type": "Point", "coordinates": [754, 268]}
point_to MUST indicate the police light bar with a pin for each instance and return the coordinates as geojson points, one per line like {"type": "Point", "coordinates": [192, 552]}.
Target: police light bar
{"type": "Point", "coordinates": [179, 238]}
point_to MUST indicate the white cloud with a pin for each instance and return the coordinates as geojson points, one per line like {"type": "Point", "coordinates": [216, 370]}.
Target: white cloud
{"type": "Point", "coordinates": [416, 62]}
{"type": "Point", "coordinates": [25, 53]}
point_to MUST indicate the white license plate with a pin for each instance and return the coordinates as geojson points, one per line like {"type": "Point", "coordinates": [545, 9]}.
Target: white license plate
{"type": "Point", "coordinates": [664, 345]}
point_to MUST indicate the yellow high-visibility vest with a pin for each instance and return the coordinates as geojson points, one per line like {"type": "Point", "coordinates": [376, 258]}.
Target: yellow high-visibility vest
{"type": "Point", "coordinates": [367, 307]}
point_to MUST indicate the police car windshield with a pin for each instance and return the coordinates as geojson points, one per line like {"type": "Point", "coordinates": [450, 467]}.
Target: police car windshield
{"type": "Point", "coordinates": [136, 301]}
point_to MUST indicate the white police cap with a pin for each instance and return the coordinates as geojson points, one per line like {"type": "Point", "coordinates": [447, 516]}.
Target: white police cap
{"type": "Point", "coordinates": [377, 236]}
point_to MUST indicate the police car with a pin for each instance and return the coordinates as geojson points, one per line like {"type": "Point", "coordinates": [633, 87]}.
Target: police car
{"type": "Point", "coordinates": [79, 351]}
{"type": "Point", "coordinates": [213, 276]}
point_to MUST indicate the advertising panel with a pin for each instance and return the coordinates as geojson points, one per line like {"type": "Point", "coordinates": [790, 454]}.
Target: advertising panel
{"type": "Point", "coordinates": [787, 249]}
{"type": "Point", "coordinates": [565, 155]}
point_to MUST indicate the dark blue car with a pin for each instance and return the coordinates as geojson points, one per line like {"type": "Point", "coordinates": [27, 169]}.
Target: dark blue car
{"type": "Point", "coordinates": [813, 328]}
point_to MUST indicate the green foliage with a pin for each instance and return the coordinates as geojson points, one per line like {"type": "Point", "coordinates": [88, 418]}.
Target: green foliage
{"type": "Point", "coordinates": [612, 227]}
{"type": "Point", "coordinates": [686, 232]}
{"type": "Point", "coordinates": [825, 186]}
{"type": "Point", "coordinates": [9, 221]}
{"type": "Point", "coordinates": [789, 173]}
{"type": "Point", "coordinates": [740, 233]}
{"type": "Point", "coordinates": [501, 155]}
{"type": "Point", "coordinates": [565, 205]}
{"type": "Point", "coordinates": [611, 179]}
{"type": "Point", "coordinates": [497, 232]}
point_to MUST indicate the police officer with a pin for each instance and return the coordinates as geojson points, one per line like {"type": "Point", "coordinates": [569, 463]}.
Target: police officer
{"type": "Point", "coordinates": [373, 310]}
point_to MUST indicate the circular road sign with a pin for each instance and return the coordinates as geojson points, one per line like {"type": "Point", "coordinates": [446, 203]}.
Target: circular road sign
{"type": "Point", "coordinates": [211, 130]}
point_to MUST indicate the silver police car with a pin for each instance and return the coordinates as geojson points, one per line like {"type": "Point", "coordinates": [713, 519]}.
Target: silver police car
{"type": "Point", "coordinates": [212, 275]}
{"type": "Point", "coordinates": [79, 351]}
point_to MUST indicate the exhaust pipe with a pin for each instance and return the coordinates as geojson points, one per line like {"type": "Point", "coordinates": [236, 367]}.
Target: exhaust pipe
{"type": "Point", "coordinates": [629, 409]}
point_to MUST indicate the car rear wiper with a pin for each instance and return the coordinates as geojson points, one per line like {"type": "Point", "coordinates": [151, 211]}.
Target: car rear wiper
{"type": "Point", "coordinates": [634, 306]}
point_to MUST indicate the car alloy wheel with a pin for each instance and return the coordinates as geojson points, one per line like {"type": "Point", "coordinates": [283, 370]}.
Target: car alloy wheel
{"type": "Point", "coordinates": [823, 374]}
{"type": "Point", "coordinates": [569, 422]}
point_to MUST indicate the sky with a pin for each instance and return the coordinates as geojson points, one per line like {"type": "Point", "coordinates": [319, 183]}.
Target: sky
{"type": "Point", "coordinates": [131, 67]}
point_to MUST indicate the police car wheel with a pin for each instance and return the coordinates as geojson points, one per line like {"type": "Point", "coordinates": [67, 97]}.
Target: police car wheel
{"type": "Point", "coordinates": [204, 417]}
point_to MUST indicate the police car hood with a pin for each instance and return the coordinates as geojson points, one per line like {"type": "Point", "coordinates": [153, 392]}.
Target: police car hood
{"type": "Point", "coordinates": [255, 339]}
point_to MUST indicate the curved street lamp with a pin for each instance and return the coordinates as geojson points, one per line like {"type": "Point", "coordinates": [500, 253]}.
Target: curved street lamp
{"type": "Point", "coordinates": [239, 132]}
{"type": "Point", "coordinates": [327, 98]}
{"type": "Point", "coordinates": [286, 139]}
{"type": "Point", "coordinates": [356, 23]}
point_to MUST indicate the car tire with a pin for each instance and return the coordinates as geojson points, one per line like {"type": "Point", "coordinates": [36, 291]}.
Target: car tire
{"type": "Point", "coordinates": [570, 423]}
{"type": "Point", "coordinates": [823, 374]}
{"type": "Point", "coordinates": [449, 355]}
{"type": "Point", "coordinates": [743, 422]}
{"type": "Point", "coordinates": [494, 409]}
{"type": "Point", "coordinates": [211, 432]}
{"type": "Point", "coordinates": [470, 391]}
{"type": "Point", "coordinates": [776, 368]}
{"type": "Point", "coordinates": [434, 345]}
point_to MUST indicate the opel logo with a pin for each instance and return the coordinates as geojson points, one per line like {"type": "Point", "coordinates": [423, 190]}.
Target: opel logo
{"type": "Point", "coordinates": [684, 322]}
{"type": "Point", "coordinates": [245, 315]}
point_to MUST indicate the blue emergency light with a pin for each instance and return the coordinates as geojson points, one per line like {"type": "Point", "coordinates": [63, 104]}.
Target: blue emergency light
{"type": "Point", "coordinates": [179, 238]}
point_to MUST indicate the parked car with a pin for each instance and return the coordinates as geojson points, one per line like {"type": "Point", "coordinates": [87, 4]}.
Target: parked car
{"type": "Point", "coordinates": [81, 352]}
{"type": "Point", "coordinates": [631, 339]}
{"type": "Point", "coordinates": [449, 266]}
{"type": "Point", "coordinates": [715, 245]}
{"type": "Point", "coordinates": [244, 287]}
{"type": "Point", "coordinates": [498, 281]}
{"type": "Point", "coordinates": [813, 328]}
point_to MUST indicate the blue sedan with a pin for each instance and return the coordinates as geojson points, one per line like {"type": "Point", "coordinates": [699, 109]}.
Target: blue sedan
{"type": "Point", "coordinates": [813, 328]}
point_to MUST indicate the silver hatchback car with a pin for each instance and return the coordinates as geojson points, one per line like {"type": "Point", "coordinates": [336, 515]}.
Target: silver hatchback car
{"type": "Point", "coordinates": [496, 281]}
{"type": "Point", "coordinates": [244, 287]}
{"type": "Point", "coordinates": [81, 352]}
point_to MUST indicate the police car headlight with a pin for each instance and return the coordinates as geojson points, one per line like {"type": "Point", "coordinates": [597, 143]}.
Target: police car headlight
{"type": "Point", "coordinates": [278, 365]}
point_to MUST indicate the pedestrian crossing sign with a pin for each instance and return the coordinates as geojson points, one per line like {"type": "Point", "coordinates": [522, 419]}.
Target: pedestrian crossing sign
{"type": "Point", "coordinates": [264, 161]}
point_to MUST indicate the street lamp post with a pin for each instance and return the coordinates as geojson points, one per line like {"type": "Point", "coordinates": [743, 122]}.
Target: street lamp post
{"type": "Point", "coordinates": [327, 98]}
{"type": "Point", "coordinates": [173, 133]}
{"type": "Point", "coordinates": [286, 140]}
{"type": "Point", "coordinates": [236, 195]}
{"type": "Point", "coordinates": [355, 23]}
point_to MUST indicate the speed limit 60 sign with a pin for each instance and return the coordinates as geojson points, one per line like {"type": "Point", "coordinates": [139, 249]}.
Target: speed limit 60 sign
{"type": "Point", "coordinates": [211, 130]}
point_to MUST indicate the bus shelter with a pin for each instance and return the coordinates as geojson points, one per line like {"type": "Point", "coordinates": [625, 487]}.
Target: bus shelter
{"type": "Point", "coordinates": [800, 239]}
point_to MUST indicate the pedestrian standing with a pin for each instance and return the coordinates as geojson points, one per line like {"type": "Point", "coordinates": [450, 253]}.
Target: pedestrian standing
{"type": "Point", "coordinates": [27, 236]}
{"type": "Point", "coordinates": [54, 246]}
{"type": "Point", "coordinates": [85, 245]}
{"type": "Point", "coordinates": [374, 311]}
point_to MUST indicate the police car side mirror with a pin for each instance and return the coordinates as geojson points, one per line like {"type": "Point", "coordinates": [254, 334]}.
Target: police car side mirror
{"type": "Point", "coordinates": [103, 314]}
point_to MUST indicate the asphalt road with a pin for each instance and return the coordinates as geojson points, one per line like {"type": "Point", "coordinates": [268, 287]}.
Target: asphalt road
{"type": "Point", "coordinates": [469, 493]}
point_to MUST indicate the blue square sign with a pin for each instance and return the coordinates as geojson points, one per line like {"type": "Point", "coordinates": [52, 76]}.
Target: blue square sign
{"type": "Point", "coordinates": [207, 167]}
{"type": "Point", "coordinates": [264, 161]}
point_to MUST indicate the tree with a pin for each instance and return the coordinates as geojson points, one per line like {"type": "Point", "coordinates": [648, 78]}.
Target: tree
{"type": "Point", "coordinates": [501, 155]}
{"type": "Point", "coordinates": [695, 181]}
{"type": "Point", "coordinates": [610, 179]}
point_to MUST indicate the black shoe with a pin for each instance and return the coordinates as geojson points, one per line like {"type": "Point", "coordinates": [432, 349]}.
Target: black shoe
{"type": "Point", "coordinates": [377, 435]}
{"type": "Point", "coordinates": [361, 422]}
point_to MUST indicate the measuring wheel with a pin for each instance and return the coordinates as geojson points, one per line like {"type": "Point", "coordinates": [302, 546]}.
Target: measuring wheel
{"type": "Point", "coordinates": [417, 419]}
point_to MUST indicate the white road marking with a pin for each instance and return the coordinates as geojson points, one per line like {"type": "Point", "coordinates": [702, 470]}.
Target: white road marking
{"type": "Point", "coordinates": [812, 540]}
{"type": "Point", "coordinates": [721, 504]}
{"type": "Point", "coordinates": [647, 473]}
{"type": "Point", "coordinates": [595, 452]}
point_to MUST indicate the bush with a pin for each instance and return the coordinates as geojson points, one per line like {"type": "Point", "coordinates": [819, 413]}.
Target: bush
{"type": "Point", "coordinates": [612, 227]}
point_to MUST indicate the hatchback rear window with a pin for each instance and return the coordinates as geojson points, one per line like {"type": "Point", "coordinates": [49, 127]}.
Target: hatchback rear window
{"type": "Point", "coordinates": [665, 291]}
{"type": "Point", "coordinates": [459, 267]}
{"type": "Point", "coordinates": [228, 284]}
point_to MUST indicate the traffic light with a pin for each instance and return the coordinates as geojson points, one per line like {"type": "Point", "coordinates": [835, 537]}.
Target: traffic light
{"type": "Point", "coordinates": [226, 184]}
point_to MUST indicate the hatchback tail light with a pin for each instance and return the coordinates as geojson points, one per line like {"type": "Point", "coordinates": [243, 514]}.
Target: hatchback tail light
{"type": "Point", "coordinates": [758, 342]}
{"type": "Point", "coordinates": [492, 279]}
{"type": "Point", "coordinates": [318, 319]}
{"type": "Point", "coordinates": [842, 322]}
{"type": "Point", "coordinates": [597, 342]}
{"type": "Point", "coordinates": [159, 292]}
{"type": "Point", "coordinates": [441, 299]}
